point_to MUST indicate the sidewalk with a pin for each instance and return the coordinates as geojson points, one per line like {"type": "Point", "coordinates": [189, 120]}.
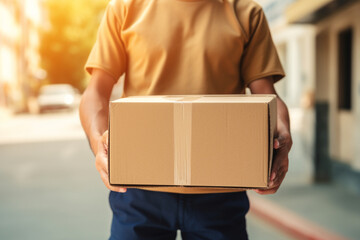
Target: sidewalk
{"type": "Point", "coordinates": [311, 212]}
{"type": "Point", "coordinates": [52, 126]}
{"type": "Point", "coordinates": [305, 210]}
{"type": "Point", "coordinates": [4, 114]}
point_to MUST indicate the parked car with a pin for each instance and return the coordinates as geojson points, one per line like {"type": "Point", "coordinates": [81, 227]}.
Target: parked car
{"type": "Point", "coordinates": [57, 96]}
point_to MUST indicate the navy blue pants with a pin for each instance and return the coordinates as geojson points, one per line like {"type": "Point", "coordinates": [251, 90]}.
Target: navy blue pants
{"type": "Point", "coordinates": [140, 214]}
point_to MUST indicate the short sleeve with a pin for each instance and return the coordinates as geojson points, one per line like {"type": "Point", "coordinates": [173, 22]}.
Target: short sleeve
{"type": "Point", "coordinates": [108, 52]}
{"type": "Point", "coordinates": [260, 58]}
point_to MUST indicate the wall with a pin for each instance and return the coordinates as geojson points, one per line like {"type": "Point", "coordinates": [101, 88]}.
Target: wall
{"type": "Point", "coordinates": [344, 125]}
{"type": "Point", "coordinates": [19, 58]}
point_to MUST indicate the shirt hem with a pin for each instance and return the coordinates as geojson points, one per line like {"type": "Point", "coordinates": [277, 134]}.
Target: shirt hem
{"type": "Point", "coordinates": [89, 67]}
{"type": "Point", "coordinates": [279, 75]}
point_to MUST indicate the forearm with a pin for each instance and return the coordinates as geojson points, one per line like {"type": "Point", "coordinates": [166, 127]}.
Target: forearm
{"type": "Point", "coordinates": [94, 110]}
{"type": "Point", "coordinates": [94, 107]}
{"type": "Point", "coordinates": [283, 114]}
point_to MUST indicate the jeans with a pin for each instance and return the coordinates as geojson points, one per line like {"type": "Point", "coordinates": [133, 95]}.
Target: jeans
{"type": "Point", "coordinates": [141, 214]}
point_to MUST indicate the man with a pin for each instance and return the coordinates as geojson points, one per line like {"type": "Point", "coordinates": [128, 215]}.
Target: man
{"type": "Point", "coordinates": [181, 47]}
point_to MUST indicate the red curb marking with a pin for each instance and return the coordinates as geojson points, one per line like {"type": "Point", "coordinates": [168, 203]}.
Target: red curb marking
{"type": "Point", "coordinates": [287, 221]}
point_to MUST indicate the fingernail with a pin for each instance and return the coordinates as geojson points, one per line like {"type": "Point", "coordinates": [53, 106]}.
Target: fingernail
{"type": "Point", "coordinates": [278, 143]}
{"type": "Point", "coordinates": [273, 175]}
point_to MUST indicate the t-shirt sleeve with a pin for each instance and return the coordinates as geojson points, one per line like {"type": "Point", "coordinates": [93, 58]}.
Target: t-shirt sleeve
{"type": "Point", "coordinates": [108, 52]}
{"type": "Point", "coordinates": [260, 58]}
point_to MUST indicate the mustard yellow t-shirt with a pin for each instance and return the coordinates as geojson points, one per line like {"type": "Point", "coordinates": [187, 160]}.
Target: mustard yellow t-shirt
{"type": "Point", "coordinates": [185, 47]}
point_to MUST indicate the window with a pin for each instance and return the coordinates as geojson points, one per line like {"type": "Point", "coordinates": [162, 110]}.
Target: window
{"type": "Point", "coordinates": [345, 68]}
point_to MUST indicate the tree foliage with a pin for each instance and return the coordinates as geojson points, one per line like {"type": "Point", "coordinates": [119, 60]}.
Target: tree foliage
{"type": "Point", "coordinates": [67, 38]}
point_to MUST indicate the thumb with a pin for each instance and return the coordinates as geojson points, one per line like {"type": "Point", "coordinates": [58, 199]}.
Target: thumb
{"type": "Point", "coordinates": [105, 138]}
{"type": "Point", "coordinates": [279, 142]}
{"type": "Point", "coordinates": [276, 143]}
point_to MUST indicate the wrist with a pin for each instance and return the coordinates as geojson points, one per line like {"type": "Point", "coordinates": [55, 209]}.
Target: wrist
{"type": "Point", "coordinates": [94, 142]}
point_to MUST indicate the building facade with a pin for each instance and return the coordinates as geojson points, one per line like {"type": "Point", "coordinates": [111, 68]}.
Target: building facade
{"type": "Point", "coordinates": [19, 58]}
{"type": "Point", "coordinates": [9, 53]}
{"type": "Point", "coordinates": [319, 43]}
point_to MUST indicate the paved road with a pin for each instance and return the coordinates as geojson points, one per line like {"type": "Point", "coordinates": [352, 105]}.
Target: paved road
{"type": "Point", "coordinates": [51, 190]}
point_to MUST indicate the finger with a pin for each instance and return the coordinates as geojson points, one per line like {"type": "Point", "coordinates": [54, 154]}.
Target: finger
{"type": "Point", "coordinates": [104, 139]}
{"type": "Point", "coordinates": [283, 141]}
{"type": "Point", "coordinates": [279, 142]}
{"type": "Point", "coordinates": [263, 192]}
{"type": "Point", "coordinates": [105, 179]}
{"type": "Point", "coordinates": [106, 136]}
{"type": "Point", "coordinates": [266, 191]}
{"type": "Point", "coordinates": [273, 186]}
{"type": "Point", "coordinates": [280, 161]}
{"type": "Point", "coordinates": [276, 143]}
{"type": "Point", "coordinates": [279, 169]}
{"type": "Point", "coordinates": [102, 148]}
{"type": "Point", "coordinates": [117, 189]}
{"type": "Point", "coordinates": [273, 176]}
{"type": "Point", "coordinates": [101, 161]}
{"type": "Point", "coordinates": [102, 167]}
{"type": "Point", "coordinates": [279, 178]}
{"type": "Point", "coordinates": [277, 162]}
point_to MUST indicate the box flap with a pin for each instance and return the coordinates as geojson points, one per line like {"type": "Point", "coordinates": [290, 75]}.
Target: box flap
{"type": "Point", "coordinates": [230, 141]}
{"type": "Point", "coordinates": [142, 142]}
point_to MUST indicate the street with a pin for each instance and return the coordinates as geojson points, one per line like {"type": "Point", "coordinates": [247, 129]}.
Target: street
{"type": "Point", "coordinates": [49, 185]}
{"type": "Point", "coordinates": [50, 190]}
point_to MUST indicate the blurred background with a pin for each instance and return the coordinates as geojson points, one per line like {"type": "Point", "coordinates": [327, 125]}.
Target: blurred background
{"type": "Point", "coordinates": [49, 186]}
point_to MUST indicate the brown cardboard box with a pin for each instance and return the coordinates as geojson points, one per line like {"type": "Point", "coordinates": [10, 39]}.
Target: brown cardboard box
{"type": "Point", "coordinates": [192, 141]}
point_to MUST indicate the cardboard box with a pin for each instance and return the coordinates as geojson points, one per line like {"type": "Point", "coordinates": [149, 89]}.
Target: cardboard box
{"type": "Point", "coordinates": [192, 141]}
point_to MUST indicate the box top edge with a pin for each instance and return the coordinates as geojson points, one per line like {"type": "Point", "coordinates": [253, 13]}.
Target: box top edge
{"type": "Point", "coordinates": [241, 98]}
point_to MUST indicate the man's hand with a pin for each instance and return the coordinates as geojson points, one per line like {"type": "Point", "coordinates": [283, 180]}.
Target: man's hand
{"type": "Point", "coordinates": [282, 141]}
{"type": "Point", "coordinates": [282, 146]}
{"type": "Point", "coordinates": [94, 111]}
{"type": "Point", "coordinates": [102, 163]}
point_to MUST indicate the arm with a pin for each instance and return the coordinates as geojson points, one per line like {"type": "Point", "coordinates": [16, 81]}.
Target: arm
{"type": "Point", "coordinates": [94, 110]}
{"type": "Point", "coordinates": [282, 141]}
